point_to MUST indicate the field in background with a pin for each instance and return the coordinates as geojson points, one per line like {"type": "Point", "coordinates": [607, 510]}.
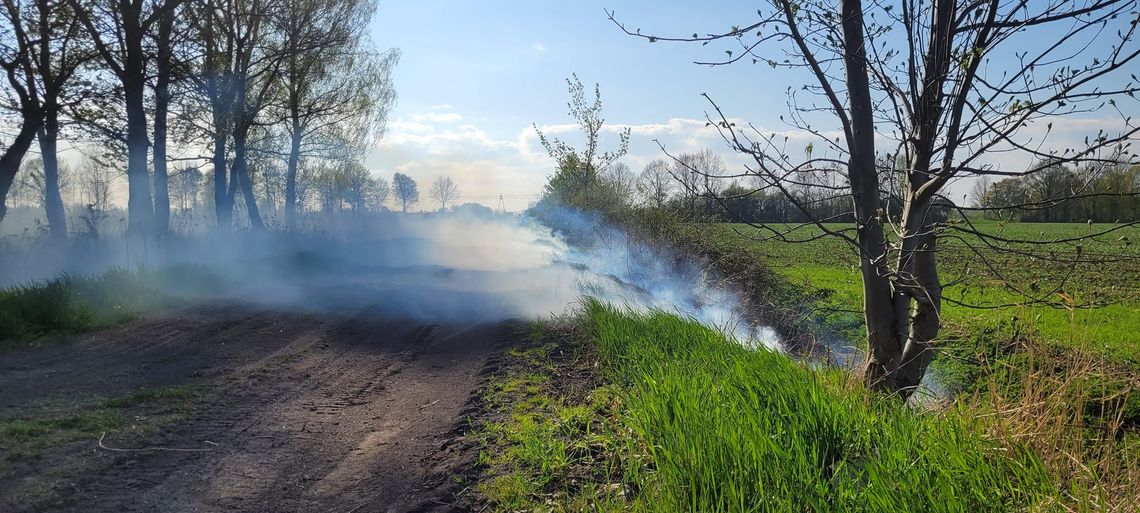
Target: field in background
{"type": "Point", "coordinates": [827, 269]}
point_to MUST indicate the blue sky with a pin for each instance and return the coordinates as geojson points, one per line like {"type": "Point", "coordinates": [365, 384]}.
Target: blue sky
{"type": "Point", "coordinates": [474, 75]}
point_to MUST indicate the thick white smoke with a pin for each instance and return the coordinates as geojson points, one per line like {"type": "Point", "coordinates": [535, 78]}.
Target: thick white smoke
{"type": "Point", "coordinates": [445, 268]}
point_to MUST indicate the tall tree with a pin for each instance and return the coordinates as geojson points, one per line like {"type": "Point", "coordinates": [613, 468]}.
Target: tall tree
{"type": "Point", "coordinates": [580, 168]}
{"type": "Point", "coordinates": [943, 84]}
{"type": "Point", "coordinates": [443, 190]}
{"type": "Point", "coordinates": [52, 40]}
{"type": "Point", "coordinates": [337, 91]}
{"type": "Point", "coordinates": [118, 31]}
{"type": "Point", "coordinates": [16, 48]}
{"type": "Point", "coordinates": [163, 41]}
{"type": "Point", "coordinates": [406, 191]}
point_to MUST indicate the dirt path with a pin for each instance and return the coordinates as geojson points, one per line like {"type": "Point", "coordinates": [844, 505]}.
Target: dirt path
{"type": "Point", "coordinates": [322, 413]}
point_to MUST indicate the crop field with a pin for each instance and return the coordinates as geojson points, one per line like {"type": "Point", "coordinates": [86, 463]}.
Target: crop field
{"type": "Point", "coordinates": [1092, 304]}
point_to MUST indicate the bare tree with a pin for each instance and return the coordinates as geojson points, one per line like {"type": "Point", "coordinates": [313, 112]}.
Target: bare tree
{"type": "Point", "coordinates": [185, 188]}
{"type": "Point", "coordinates": [34, 182]}
{"type": "Point", "coordinates": [655, 184]}
{"type": "Point", "coordinates": [406, 191]}
{"type": "Point", "coordinates": [944, 84]}
{"type": "Point", "coordinates": [979, 191]}
{"type": "Point", "coordinates": [443, 190]}
{"type": "Point", "coordinates": [579, 168]}
{"type": "Point", "coordinates": [96, 186]}
{"type": "Point", "coordinates": [699, 175]}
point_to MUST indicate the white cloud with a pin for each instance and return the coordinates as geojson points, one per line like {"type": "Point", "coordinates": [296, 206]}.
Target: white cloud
{"type": "Point", "coordinates": [538, 47]}
{"type": "Point", "coordinates": [437, 117]}
{"type": "Point", "coordinates": [485, 164]}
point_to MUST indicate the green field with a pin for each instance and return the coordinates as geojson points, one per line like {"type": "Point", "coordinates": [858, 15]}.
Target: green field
{"type": "Point", "coordinates": [827, 269]}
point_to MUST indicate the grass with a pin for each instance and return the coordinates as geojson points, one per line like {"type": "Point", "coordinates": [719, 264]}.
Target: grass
{"type": "Point", "coordinates": [684, 419]}
{"type": "Point", "coordinates": [826, 271]}
{"type": "Point", "coordinates": [75, 304]}
{"type": "Point", "coordinates": [547, 449]}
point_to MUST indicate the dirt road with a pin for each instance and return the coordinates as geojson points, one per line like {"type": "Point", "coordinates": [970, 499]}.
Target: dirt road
{"type": "Point", "coordinates": [352, 412]}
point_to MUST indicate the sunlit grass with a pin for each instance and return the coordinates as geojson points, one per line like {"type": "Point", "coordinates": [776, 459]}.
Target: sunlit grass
{"type": "Point", "coordinates": [687, 420]}
{"type": "Point", "coordinates": [827, 270]}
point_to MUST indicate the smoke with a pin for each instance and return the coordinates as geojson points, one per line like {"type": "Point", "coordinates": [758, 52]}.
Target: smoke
{"type": "Point", "coordinates": [455, 268]}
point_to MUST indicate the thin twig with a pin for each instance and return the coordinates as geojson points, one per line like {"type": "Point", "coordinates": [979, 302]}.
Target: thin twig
{"type": "Point", "coordinates": [169, 449]}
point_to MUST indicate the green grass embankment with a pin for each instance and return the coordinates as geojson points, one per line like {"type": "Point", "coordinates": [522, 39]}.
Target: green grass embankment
{"type": "Point", "coordinates": [687, 420]}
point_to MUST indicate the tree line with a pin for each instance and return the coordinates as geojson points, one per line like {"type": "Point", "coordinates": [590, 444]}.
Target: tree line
{"type": "Point", "coordinates": [250, 104]}
{"type": "Point", "coordinates": [331, 187]}
{"type": "Point", "coordinates": [1063, 194]}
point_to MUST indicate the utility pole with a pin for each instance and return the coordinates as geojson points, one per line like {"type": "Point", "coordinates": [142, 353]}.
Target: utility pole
{"type": "Point", "coordinates": [502, 206]}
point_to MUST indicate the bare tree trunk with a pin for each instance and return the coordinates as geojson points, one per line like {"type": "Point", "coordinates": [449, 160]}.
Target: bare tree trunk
{"type": "Point", "coordinates": [10, 161]}
{"type": "Point", "coordinates": [918, 265]}
{"type": "Point", "coordinates": [291, 176]}
{"type": "Point", "coordinates": [880, 300]}
{"type": "Point", "coordinates": [161, 177]}
{"type": "Point", "coordinates": [140, 210]}
{"type": "Point", "coordinates": [223, 200]}
{"type": "Point", "coordinates": [53, 200]}
{"type": "Point", "coordinates": [241, 173]}
{"type": "Point", "coordinates": [161, 109]}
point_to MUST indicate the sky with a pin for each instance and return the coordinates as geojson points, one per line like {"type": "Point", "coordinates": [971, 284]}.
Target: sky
{"type": "Point", "coordinates": [474, 76]}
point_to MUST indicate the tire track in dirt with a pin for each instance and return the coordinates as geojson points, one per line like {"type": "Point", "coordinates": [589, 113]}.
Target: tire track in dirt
{"type": "Point", "coordinates": [313, 412]}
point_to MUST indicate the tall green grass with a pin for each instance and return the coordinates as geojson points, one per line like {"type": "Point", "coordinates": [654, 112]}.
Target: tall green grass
{"type": "Point", "coordinates": [74, 304]}
{"type": "Point", "coordinates": [728, 428]}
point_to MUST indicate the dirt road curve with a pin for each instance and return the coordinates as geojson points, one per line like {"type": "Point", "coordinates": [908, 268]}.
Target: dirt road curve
{"type": "Point", "coordinates": [307, 412]}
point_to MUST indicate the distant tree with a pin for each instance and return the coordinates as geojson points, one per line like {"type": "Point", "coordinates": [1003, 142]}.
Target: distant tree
{"type": "Point", "coordinates": [34, 184]}
{"type": "Point", "coordinates": [699, 175]}
{"type": "Point", "coordinates": [380, 191]}
{"type": "Point", "coordinates": [980, 189]}
{"type": "Point", "coordinates": [443, 190]}
{"type": "Point", "coordinates": [578, 169]}
{"type": "Point", "coordinates": [655, 185]}
{"type": "Point", "coordinates": [186, 188]}
{"type": "Point", "coordinates": [622, 181]}
{"type": "Point", "coordinates": [96, 186]}
{"type": "Point", "coordinates": [406, 191]}
{"type": "Point", "coordinates": [935, 89]}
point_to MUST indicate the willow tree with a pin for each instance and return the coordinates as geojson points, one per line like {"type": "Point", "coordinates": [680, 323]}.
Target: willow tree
{"type": "Point", "coordinates": [935, 89]}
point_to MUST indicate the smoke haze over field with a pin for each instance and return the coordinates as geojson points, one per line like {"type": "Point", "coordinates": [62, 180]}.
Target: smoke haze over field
{"type": "Point", "coordinates": [440, 268]}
